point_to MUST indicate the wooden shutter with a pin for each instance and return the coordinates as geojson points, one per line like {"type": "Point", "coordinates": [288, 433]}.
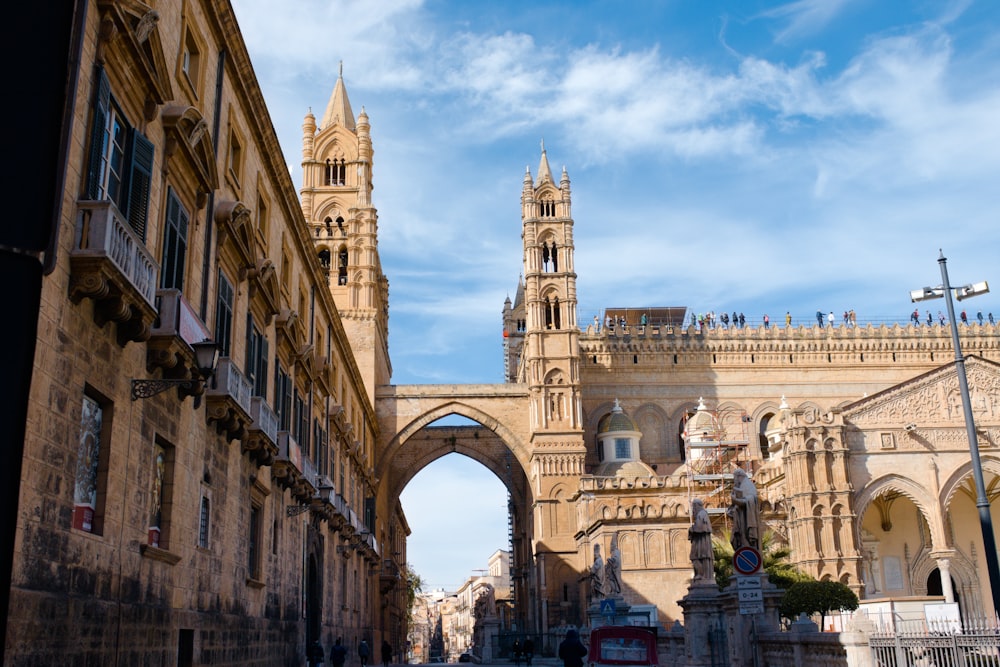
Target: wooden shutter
{"type": "Point", "coordinates": [102, 104]}
{"type": "Point", "coordinates": [139, 178]}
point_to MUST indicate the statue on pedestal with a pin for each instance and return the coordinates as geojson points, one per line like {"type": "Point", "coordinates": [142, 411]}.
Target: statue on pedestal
{"type": "Point", "coordinates": [700, 535]}
{"type": "Point", "coordinates": [612, 571]}
{"type": "Point", "coordinates": [596, 575]}
{"type": "Point", "coordinates": [744, 512]}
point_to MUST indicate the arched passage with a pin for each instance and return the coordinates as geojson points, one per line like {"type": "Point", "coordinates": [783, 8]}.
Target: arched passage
{"type": "Point", "coordinates": [411, 439]}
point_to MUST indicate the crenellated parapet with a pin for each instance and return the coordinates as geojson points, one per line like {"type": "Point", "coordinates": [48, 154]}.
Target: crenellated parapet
{"type": "Point", "coordinates": [791, 345]}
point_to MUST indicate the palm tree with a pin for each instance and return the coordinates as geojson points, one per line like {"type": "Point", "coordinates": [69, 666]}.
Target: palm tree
{"type": "Point", "coordinates": [779, 571]}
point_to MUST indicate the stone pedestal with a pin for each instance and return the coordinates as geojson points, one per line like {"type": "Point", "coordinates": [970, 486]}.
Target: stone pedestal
{"type": "Point", "coordinates": [596, 616]}
{"type": "Point", "coordinates": [704, 624]}
{"type": "Point", "coordinates": [742, 629]}
{"type": "Point", "coordinates": [485, 637]}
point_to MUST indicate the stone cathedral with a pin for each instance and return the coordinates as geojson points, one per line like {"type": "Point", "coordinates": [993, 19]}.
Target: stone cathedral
{"type": "Point", "coordinates": [854, 436]}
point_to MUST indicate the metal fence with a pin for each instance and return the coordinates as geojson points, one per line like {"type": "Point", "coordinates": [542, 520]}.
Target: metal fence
{"type": "Point", "coordinates": [972, 645]}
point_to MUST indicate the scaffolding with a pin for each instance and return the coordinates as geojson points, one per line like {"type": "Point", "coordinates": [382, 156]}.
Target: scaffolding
{"type": "Point", "coordinates": [716, 442]}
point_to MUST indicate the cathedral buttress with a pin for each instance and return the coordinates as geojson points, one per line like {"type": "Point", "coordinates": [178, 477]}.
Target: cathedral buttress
{"type": "Point", "coordinates": [336, 201]}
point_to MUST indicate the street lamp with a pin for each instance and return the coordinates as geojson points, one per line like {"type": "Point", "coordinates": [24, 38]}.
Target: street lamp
{"type": "Point", "coordinates": [985, 520]}
{"type": "Point", "coordinates": [206, 355]}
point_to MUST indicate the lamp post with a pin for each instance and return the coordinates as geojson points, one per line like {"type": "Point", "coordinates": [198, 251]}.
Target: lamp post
{"type": "Point", "coordinates": [982, 503]}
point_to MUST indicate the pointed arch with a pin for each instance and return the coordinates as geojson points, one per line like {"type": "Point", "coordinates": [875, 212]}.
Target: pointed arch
{"type": "Point", "coordinates": [963, 474]}
{"type": "Point", "coordinates": [916, 493]}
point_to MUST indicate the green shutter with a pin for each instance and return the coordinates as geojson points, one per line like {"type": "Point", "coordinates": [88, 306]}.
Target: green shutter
{"type": "Point", "coordinates": [139, 178]}
{"type": "Point", "coordinates": [102, 103]}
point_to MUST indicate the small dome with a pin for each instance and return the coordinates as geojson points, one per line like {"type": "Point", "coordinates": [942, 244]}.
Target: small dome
{"type": "Point", "coordinates": [616, 420]}
{"type": "Point", "coordinates": [702, 426]}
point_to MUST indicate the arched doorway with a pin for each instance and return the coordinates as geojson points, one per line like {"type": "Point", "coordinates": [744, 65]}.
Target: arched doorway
{"type": "Point", "coordinates": [935, 586]}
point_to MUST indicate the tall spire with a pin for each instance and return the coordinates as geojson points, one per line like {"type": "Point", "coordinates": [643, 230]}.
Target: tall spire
{"type": "Point", "coordinates": [338, 110]}
{"type": "Point", "coordinates": [544, 172]}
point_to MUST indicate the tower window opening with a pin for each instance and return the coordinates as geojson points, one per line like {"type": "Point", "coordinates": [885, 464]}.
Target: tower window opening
{"type": "Point", "coordinates": [336, 171]}
{"type": "Point", "coordinates": [547, 208]}
{"type": "Point", "coordinates": [635, 359]}
{"type": "Point", "coordinates": [342, 267]}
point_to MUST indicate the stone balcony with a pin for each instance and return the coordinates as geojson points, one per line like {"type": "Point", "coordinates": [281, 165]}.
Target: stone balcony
{"type": "Point", "coordinates": [176, 328]}
{"type": "Point", "coordinates": [110, 264]}
{"type": "Point", "coordinates": [228, 400]}
{"type": "Point", "coordinates": [261, 439]}
{"type": "Point", "coordinates": [293, 471]}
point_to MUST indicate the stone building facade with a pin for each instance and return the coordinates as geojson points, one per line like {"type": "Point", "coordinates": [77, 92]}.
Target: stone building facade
{"type": "Point", "coordinates": [229, 521]}
{"type": "Point", "coordinates": [854, 435]}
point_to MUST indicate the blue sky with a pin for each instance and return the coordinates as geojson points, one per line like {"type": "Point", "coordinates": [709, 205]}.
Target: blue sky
{"type": "Point", "coordinates": [724, 155]}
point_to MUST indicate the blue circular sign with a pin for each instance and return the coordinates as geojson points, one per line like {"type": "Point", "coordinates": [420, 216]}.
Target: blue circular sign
{"type": "Point", "coordinates": [747, 560]}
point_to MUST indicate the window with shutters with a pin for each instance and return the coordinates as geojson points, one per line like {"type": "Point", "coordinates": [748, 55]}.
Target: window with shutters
{"type": "Point", "coordinates": [301, 421]}
{"type": "Point", "coordinates": [282, 397]}
{"type": "Point", "coordinates": [256, 362]}
{"type": "Point", "coordinates": [120, 160]}
{"type": "Point", "coordinates": [224, 316]}
{"type": "Point", "coordinates": [174, 243]}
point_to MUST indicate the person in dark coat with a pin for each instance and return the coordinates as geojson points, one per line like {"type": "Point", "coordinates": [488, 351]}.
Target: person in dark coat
{"type": "Point", "coordinates": [314, 654]}
{"type": "Point", "coordinates": [338, 654]}
{"type": "Point", "coordinates": [386, 653]}
{"type": "Point", "coordinates": [572, 650]}
{"type": "Point", "coordinates": [363, 653]}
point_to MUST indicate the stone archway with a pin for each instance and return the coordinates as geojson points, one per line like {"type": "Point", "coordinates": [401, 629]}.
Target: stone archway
{"type": "Point", "coordinates": [410, 441]}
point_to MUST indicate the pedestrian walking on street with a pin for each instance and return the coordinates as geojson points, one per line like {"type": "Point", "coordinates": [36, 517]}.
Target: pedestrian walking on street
{"type": "Point", "coordinates": [386, 653]}
{"type": "Point", "coordinates": [338, 654]}
{"type": "Point", "coordinates": [363, 653]}
{"type": "Point", "coordinates": [529, 651]}
{"type": "Point", "coordinates": [314, 654]}
{"type": "Point", "coordinates": [572, 650]}
{"type": "Point", "coordinates": [516, 652]}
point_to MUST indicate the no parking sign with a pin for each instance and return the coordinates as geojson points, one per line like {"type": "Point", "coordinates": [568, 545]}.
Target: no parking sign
{"type": "Point", "coordinates": [747, 560]}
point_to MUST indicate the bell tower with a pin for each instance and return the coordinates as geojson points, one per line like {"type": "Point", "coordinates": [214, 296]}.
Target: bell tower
{"type": "Point", "coordinates": [336, 201]}
{"type": "Point", "coordinates": [552, 337]}
{"type": "Point", "coordinates": [551, 370]}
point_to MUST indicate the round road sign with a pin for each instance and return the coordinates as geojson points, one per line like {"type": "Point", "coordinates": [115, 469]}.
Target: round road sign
{"type": "Point", "coordinates": [747, 560]}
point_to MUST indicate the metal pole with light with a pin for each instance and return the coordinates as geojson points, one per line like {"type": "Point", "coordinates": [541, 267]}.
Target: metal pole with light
{"type": "Point", "coordinates": [206, 354]}
{"type": "Point", "coordinates": [982, 503]}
